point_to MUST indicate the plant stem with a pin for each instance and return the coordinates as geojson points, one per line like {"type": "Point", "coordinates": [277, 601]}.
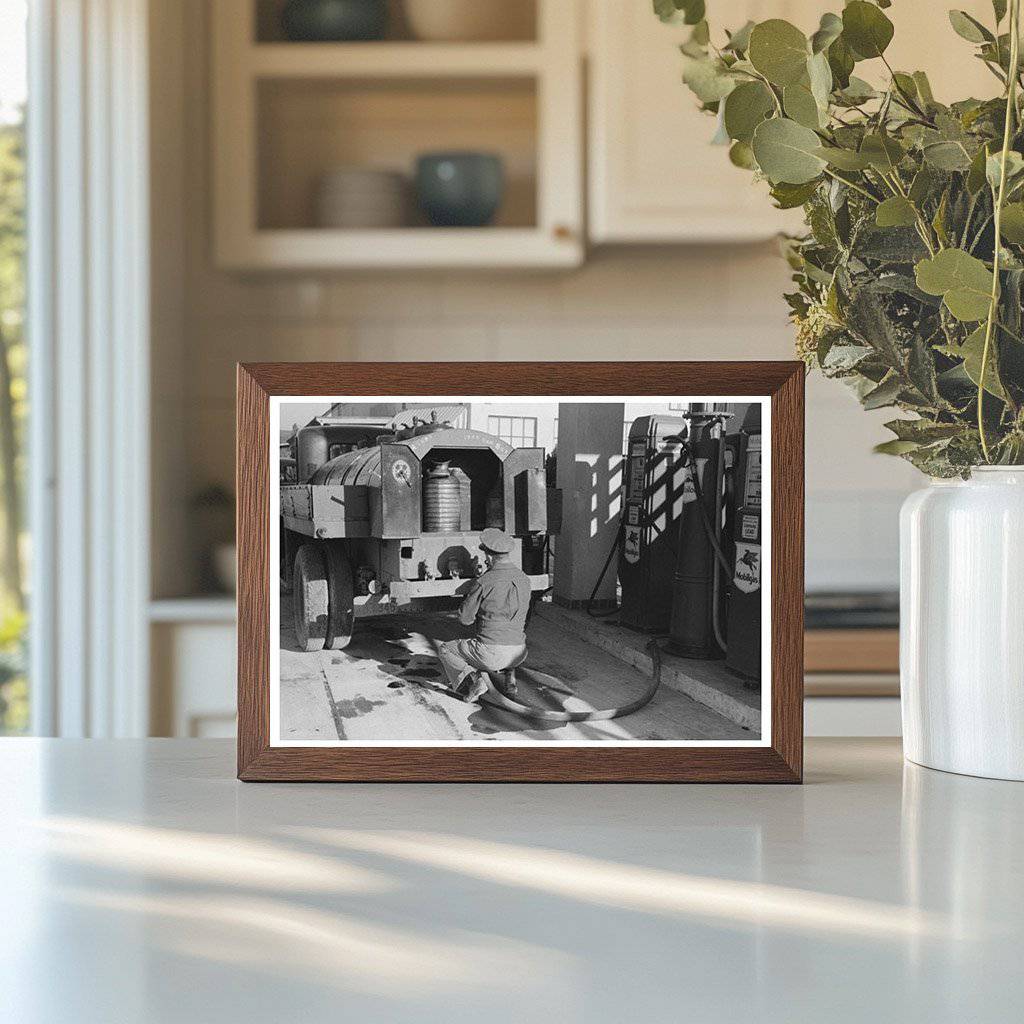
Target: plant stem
{"type": "Point", "coordinates": [910, 102]}
{"type": "Point", "coordinates": [853, 185]}
{"type": "Point", "coordinates": [1011, 108]}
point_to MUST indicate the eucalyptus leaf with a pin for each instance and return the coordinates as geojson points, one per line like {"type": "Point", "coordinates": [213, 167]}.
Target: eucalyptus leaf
{"type": "Point", "coordinates": [963, 281]}
{"type": "Point", "coordinates": [844, 159]}
{"type": "Point", "coordinates": [923, 431]}
{"type": "Point", "coordinates": [866, 29]}
{"type": "Point", "coordinates": [787, 152]}
{"type": "Point", "coordinates": [741, 155]}
{"type": "Point", "coordinates": [841, 62]}
{"type": "Point", "coordinates": [689, 12]}
{"type": "Point", "coordinates": [788, 196]}
{"type": "Point", "coordinates": [947, 156]}
{"type": "Point", "coordinates": [969, 28]}
{"type": "Point", "coordinates": [701, 34]}
{"type": "Point", "coordinates": [924, 87]}
{"type": "Point", "coordinates": [883, 395]}
{"type": "Point", "coordinates": [708, 80]}
{"type": "Point", "coordinates": [894, 212]}
{"type": "Point", "coordinates": [895, 447]}
{"type": "Point", "coordinates": [972, 351]}
{"type": "Point", "coordinates": [1012, 223]}
{"type": "Point", "coordinates": [801, 106]}
{"type": "Point", "coordinates": [819, 75]}
{"type": "Point", "coordinates": [905, 84]}
{"type": "Point", "coordinates": [857, 91]}
{"type": "Point", "coordinates": [829, 30]}
{"type": "Point", "coordinates": [883, 152]}
{"type": "Point", "coordinates": [976, 176]}
{"type": "Point", "coordinates": [779, 51]}
{"type": "Point", "coordinates": [745, 108]}
{"type": "Point", "coordinates": [721, 136]}
{"type": "Point", "coordinates": [739, 41]}
{"type": "Point", "coordinates": [993, 167]}
{"type": "Point", "coordinates": [922, 185]}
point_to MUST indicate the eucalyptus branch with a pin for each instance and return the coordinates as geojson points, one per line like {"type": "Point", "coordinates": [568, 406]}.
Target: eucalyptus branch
{"type": "Point", "coordinates": [1011, 109]}
{"type": "Point", "coordinates": [977, 237]}
{"type": "Point", "coordinates": [853, 185]}
{"type": "Point", "coordinates": [771, 90]}
{"type": "Point", "coordinates": [1013, 334]}
{"type": "Point", "coordinates": [909, 100]}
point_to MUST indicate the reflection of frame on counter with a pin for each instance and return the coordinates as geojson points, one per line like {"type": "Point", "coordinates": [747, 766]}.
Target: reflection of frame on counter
{"type": "Point", "coordinates": [279, 499]}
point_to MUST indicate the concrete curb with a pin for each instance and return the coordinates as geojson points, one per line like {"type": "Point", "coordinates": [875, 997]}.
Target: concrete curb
{"type": "Point", "coordinates": [726, 696]}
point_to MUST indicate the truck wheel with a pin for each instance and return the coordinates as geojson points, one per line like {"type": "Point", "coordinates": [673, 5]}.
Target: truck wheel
{"type": "Point", "coordinates": [341, 590]}
{"type": "Point", "coordinates": [310, 597]}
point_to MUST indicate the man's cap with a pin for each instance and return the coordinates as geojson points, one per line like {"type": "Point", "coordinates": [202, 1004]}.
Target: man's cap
{"type": "Point", "coordinates": [497, 541]}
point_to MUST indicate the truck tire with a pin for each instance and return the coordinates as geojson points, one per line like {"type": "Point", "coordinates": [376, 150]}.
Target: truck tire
{"type": "Point", "coordinates": [310, 598]}
{"type": "Point", "coordinates": [341, 596]}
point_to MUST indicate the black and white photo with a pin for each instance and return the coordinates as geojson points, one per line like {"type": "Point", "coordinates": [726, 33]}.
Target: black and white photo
{"type": "Point", "coordinates": [520, 570]}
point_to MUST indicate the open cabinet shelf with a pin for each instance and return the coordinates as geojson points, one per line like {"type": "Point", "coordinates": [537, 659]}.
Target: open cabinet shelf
{"type": "Point", "coordinates": [393, 60]}
{"type": "Point", "coordinates": [287, 114]}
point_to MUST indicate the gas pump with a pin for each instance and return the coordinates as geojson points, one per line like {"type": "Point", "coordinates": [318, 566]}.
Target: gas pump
{"type": "Point", "coordinates": [655, 483]}
{"type": "Point", "coordinates": [744, 625]}
{"type": "Point", "coordinates": [697, 596]}
{"type": "Point", "coordinates": [716, 606]}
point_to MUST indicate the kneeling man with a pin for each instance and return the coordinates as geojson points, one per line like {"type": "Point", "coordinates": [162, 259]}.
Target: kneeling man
{"type": "Point", "coordinates": [496, 604]}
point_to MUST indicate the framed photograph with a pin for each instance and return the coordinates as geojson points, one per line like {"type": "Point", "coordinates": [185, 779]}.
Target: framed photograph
{"type": "Point", "coordinates": [578, 572]}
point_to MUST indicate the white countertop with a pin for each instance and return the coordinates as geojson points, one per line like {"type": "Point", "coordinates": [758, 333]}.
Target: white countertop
{"type": "Point", "coordinates": [140, 882]}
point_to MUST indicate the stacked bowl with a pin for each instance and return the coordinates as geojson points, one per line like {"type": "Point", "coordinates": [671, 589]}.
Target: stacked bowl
{"type": "Point", "coordinates": [362, 197]}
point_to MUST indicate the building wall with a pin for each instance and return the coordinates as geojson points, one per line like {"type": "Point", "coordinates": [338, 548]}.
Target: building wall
{"type": "Point", "coordinates": [646, 303]}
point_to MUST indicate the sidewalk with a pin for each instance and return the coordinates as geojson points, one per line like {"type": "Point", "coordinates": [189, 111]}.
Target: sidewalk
{"type": "Point", "coordinates": [708, 682]}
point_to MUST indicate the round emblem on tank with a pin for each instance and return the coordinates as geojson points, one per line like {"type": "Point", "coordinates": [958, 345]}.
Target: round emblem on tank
{"type": "Point", "coordinates": [400, 471]}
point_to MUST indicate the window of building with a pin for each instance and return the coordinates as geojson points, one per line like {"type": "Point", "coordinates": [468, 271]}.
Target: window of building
{"type": "Point", "coordinates": [518, 431]}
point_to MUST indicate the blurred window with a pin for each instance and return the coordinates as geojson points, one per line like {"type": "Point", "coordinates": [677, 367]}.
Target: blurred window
{"type": "Point", "coordinates": [14, 548]}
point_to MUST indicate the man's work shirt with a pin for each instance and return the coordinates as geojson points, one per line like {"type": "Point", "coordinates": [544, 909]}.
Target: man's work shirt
{"type": "Point", "coordinates": [497, 603]}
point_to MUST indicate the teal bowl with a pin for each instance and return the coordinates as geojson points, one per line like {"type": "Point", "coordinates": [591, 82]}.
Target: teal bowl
{"type": "Point", "coordinates": [462, 190]}
{"type": "Point", "coordinates": [334, 21]}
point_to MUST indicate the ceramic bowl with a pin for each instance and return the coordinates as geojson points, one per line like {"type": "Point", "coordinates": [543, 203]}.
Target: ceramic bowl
{"type": "Point", "coordinates": [332, 21]}
{"type": "Point", "coordinates": [459, 189]}
{"type": "Point", "coordinates": [470, 20]}
{"type": "Point", "coordinates": [359, 197]}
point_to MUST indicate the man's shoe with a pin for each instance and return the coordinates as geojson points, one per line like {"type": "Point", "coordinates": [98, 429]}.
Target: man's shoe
{"type": "Point", "coordinates": [506, 683]}
{"type": "Point", "coordinates": [474, 687]}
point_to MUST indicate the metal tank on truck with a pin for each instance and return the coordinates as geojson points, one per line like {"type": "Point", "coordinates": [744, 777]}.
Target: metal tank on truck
{"type": "Point", "coordinates": [393, 524]}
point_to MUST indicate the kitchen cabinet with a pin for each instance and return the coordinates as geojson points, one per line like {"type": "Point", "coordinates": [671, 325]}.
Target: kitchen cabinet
{"type": "Point", "coordinates": [287, 114]}
{"type": "Point", "coordinates": [653, 175]}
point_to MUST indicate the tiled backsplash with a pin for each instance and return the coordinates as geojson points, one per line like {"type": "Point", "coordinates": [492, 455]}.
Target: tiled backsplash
{"type": "Point", "coordinates": [670, 304]}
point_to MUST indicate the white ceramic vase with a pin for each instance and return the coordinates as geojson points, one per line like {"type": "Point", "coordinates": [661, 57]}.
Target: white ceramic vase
{"type": "Point", "coordinates": [962, 624]}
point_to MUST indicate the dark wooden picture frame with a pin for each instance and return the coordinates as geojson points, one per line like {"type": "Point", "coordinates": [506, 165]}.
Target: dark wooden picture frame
{"type": "Point", "coordinates": [779, 761]}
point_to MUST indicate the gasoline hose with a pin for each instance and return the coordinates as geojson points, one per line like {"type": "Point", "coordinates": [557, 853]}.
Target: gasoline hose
{"type": "Point", "coordinates": [497, 699]}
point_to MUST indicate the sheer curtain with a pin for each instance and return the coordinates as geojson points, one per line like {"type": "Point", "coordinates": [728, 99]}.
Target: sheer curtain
{"type": "Point", "coordinates": [88, 302]}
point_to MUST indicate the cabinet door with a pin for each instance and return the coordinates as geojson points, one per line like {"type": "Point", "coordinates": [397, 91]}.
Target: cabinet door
{"type": "Point", "coordinates": [654, 177]}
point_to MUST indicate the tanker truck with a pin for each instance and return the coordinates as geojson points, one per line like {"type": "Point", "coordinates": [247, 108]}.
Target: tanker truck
{"type": "Point", "coordinates": [391, 523]}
